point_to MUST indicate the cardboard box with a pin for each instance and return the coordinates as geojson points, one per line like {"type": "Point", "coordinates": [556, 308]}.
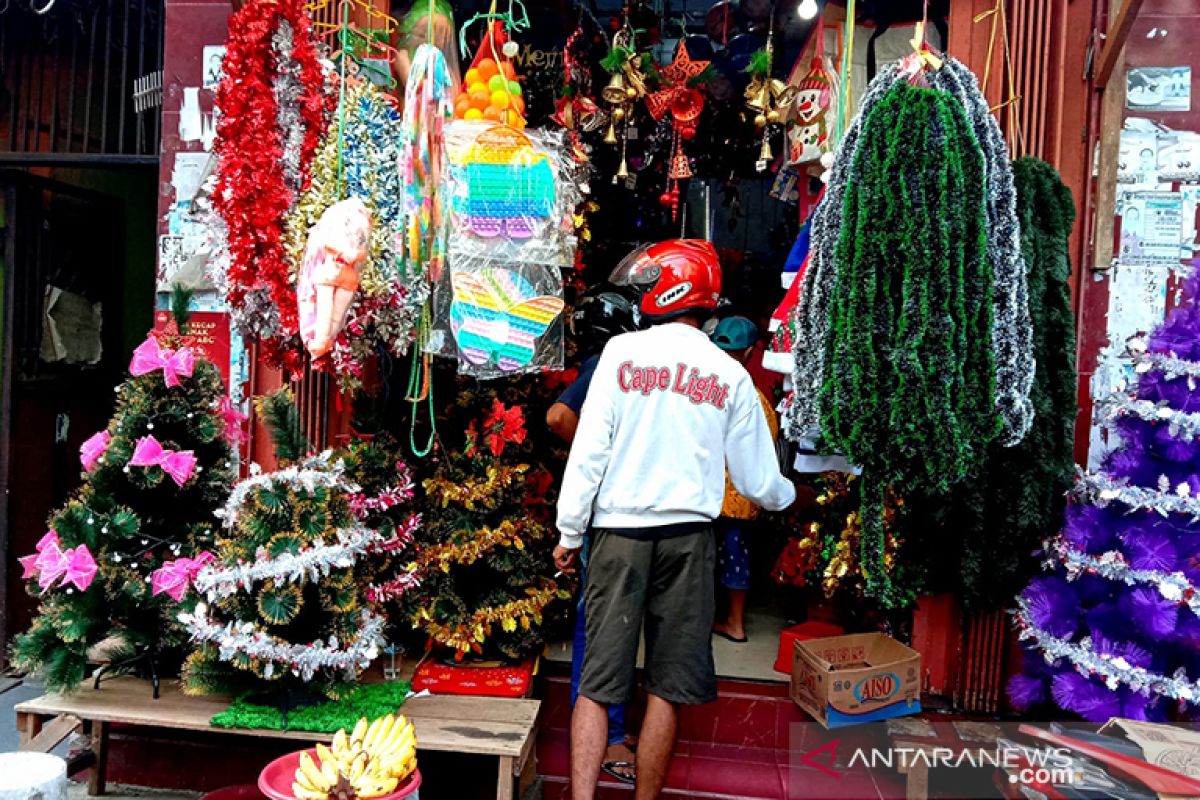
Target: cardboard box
{"type": "Point", "coordinates": [860, 677]}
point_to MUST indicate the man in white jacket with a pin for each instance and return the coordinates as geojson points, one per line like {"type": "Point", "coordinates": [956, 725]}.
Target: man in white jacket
{"type": "Point", "coordinates": [666, 414]}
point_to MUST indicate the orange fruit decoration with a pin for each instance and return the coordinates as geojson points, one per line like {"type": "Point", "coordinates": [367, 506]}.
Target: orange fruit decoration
{"type": "Point", "coordinates": [490, 88]}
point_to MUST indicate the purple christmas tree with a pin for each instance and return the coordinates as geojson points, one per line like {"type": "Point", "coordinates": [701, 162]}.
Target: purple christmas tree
{"type": "Point", "coordinates": [1114, 629]}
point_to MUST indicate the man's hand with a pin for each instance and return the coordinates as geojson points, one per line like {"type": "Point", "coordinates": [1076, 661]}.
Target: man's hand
{"type": "Point", "coordinates": [566, 559]}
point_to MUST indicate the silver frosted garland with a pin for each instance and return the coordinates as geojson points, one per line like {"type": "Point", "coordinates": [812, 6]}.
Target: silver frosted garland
{"type": "Point", "coordinates": [802, 416]}
{"type": "Point", "coordinates": [1173, 586]}
{"type": "Point", "coordinates": [316, 471]}
{"type": "Point", "coordinates": [241, 638]}
{"type": "Point", "coordinates": [1180, 424]}
{"type": "Point", "coordinates": [287, 89]}
{"type": "Point", "coordinates": [1171, 365]}
{"type": "Point", "coordinates": [1012, 330]}
{"type": "Point", "coordinates": [1115, 671]}
{"type": "Point", "coordinates": [311, 563]}
{"type": "Point", "coordinates": [1101, 490]}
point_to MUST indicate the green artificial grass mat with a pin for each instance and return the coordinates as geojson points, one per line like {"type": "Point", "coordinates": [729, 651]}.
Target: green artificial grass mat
{"type": "Point", "coordinates": [370, 700]}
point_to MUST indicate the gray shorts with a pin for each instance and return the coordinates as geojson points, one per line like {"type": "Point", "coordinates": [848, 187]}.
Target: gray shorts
{"type": "Point", "coordinates": [666, 582]}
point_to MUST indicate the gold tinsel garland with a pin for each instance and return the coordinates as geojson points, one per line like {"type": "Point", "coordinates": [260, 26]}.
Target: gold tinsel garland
{"type": "Point", "coordinates": [475, 493]}
{"type": "Point", "coordinates": [470, 634]}
{"type": "Point", "coordinates": [506, 534]}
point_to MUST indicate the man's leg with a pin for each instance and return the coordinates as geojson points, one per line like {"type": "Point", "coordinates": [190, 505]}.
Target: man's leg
{"type": "Point", "coordinates": [655, 746]}
{"type": "Point", "coordinates": [589, 740]}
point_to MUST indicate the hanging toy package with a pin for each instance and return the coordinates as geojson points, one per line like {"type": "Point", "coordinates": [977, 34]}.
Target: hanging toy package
{"type": "Point", "coordinates": [329, 274]}
{"type": "Point", "coordinates": [490, 90]}
{"type": "Point", "coordinates": [809, 123]}
{"type": "Point", "coordinates": [498, 306]}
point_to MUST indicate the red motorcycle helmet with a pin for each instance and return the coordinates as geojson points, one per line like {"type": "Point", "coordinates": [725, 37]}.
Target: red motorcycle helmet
{"type": "Point", "coordinates": [674, 277]}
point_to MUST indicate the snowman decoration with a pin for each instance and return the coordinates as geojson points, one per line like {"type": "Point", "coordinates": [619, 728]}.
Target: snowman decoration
{"type": "Point", "coordinates": [808, 135]}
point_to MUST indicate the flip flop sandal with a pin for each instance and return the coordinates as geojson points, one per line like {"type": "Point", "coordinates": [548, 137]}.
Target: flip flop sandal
{"type": "Point", "coordinates": [733, 639]}
{"type": "Point", "coordinates": [611, 767]}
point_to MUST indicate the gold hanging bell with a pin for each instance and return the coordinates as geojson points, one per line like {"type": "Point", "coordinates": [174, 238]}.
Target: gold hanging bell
{"type": "Point", "coordinates": [615, 91]}
{"type": "Point", "coordinates": [623, 170]}
{"type": "Point", "coordinates": [765, 156]}
{"type": "Point", "coordinates": [758, 96]}
{"type": "Point", "coordinates": [610, 136]}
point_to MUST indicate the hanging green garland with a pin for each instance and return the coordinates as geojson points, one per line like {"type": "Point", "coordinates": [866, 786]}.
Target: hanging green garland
{"type": "Point", "coordinates": [909, 384]}
{"type": "Point", "coordinates": [992, 523]}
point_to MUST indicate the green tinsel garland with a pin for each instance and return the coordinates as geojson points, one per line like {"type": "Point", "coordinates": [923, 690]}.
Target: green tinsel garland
{"type": "Point", "coordinates": [370, 700]}
{"type": "Point", "coordinates": [990, 524]}
{"type": "Point", "coordinates": [909, 383]}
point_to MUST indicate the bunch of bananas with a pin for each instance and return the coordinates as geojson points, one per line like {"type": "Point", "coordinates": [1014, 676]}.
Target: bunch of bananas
{"type": "Point", "coordinates": [370, 762]}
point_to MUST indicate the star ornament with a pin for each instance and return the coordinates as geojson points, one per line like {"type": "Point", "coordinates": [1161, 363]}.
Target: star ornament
{"type": "Point", "coordinates": [676, 76]}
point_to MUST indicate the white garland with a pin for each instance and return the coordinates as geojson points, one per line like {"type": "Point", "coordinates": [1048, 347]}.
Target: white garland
{"type": "Point", "coordinates": [312, 562]}
{"type": "Point", "coordinates": [243, 638]}
{"type": "Point", "coordinates": [310, 474]}
{"type": "Point", "coordinates": [1100, 490]}
{"type": "Point", "coordinates": [1113, 670]}
{"type": "Point", "coordinates": [1168, 363]}
{"type": "Point", "coordinates": [1173, 586]}
{"type": "Point", "coordinates": [1181, 424]}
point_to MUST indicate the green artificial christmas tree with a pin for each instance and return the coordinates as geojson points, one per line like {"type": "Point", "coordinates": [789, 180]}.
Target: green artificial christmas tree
{"type": "Point", "coordinates": [291, 600]}
{"type": "Point", "coordinates": [483, 550]}
{"type": "Point", "coordinates": [108, 570]}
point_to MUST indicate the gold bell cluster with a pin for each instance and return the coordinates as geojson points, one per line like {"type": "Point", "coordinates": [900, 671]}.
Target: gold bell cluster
{"type": "Point", "coordinates": [626, 86]}
{"type": "Point", "coordinates": [767, 97]}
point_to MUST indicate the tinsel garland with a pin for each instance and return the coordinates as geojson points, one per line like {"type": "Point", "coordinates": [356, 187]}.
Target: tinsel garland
{"type": "Point", "coordinates": [1113, 670]}
{"type": "Point", "coordinates": [801, 417]}
{"type": "Point", "coordinates": [1012, 333]}
{"type": "Point", "coordinates": [365, 145]}
{"type": "Point", "coordinates": [909, 379]}
{"type": "Point", "coordinates": [320, 471]}
{"type": "Point", "coordinates": [271, 78]}
{"type": "Point", "coordinates": [1113, 565]}
{"type": "Point", "coordinates": [311, 563]}
{"type": "Point", "coordinates": [394, 588]}
{"type": "Point", "coordinates": [475, 544]}
{"type": "Point", "coordinates": [1100, 490]}
{"type": "Point", "coordinates": [469, 635]}
{"type": "Point", "coordinates": [1179, 423]}
{"type": "Point", "coordinates": [984, 531]}
{"type": "Point", "coordinates": [243, 639]}
{"type": "Point", "coordinates": [475, 494]}
{"type": "Point", "coordinates": [1168, 363]}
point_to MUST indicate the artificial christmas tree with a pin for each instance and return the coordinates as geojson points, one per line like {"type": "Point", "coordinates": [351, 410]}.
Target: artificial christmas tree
{"type": "Point", "coordinates": [483, 550]}
{"type": "Point", "coordinates": [153, 479]}
{"type": "Point", "coordinates": [290, 599]}
{"type": "Point", "coordinates": [1113, 630]}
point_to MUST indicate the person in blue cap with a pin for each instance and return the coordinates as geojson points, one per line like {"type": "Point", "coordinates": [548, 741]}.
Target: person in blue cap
{"type": "Point", "coordinates": [737, 337]}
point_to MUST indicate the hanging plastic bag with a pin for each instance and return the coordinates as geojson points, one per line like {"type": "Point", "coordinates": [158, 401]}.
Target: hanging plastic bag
{"type": "Point", "coordinates": [490, 90]}
{"type": "Point", "coordinates": [329, 274]}
{"type": "Point", "coordinates": [814, 107]}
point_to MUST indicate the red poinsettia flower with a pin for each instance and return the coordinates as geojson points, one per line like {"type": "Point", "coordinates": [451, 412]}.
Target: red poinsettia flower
{"type": "Point", "coordinates": [504, 425]}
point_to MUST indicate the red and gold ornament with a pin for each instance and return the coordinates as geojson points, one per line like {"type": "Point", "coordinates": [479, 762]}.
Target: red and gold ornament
{"type": "Point", "coordinates": [684, 103]}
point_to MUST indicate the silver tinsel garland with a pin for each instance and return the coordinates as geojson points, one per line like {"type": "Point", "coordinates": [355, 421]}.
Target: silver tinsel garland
{"type": "Point", "coordinates": [1100, 490]}
{"type": "Point", "coordinates": [1173, 586]}
{"type": "Point", "coordinates": [311, 563]}
{"type": "Point", "coordinates": [1115, 671]}
{"type": "Point", "coordinates": [313, 472]}
{"type": "Point", "coordinates": [1012, 330]}
{"type": "Point", "coordinates": [1180, 424]}
{"type": "Point", "coordinates": [242, 638]}
{"type": "Point", "coordinates": [1168, 363]}
{"type": "Point", "coordinates": [287, 90]}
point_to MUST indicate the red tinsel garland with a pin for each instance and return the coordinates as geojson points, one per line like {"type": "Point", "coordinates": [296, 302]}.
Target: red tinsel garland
{"type": "Point", "coordinates": [251, 195]}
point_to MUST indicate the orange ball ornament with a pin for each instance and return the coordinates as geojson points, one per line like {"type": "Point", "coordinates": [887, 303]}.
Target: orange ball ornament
{"type": "Point", "coordinates": [487, 68]}
{"type": "Point", "coordinates": [472, 77]}
{"type": "Point", "coordinates": [480, 98]}
{"type": "Point", "coordinates": [473, 113]}
{"type": "Point", "coordinates": [493, 113]}
{"type": "Point", "coordinates": [507, 69]}
{"type": "Point", "coordinates": [518, 104]}
{"type": "Point", "coordinates": [500, 99]}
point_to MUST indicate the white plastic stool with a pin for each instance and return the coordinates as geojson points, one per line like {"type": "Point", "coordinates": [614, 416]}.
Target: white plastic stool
{"type": "Point", "coordinates": [32, 776]}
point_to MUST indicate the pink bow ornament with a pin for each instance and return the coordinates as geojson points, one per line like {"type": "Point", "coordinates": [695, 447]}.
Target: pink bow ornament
{"type": "Point", "coordinates": [179, 464]}
{"type": "Point", "coordinates": [51, 562]}
{"type": "Point", "coordinates": [150, 356]}
{"type": "Point", "coordinates": [29, 564]}
{"type": "Point", "coordinates": [235, 432]}
{"type": "Point", "coordinates": [174, 577]}
{"type": "Point", "coordinates": [91, 451]}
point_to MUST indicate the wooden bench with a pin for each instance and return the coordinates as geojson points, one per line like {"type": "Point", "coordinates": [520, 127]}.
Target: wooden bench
{"type": "Point", "coordinates": [489, 726]}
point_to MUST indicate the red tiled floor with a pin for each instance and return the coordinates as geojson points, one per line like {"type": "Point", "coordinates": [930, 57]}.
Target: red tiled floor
{"type": "Point", "coordinates": [811, 784]}
{"type": "Point", "coordinates": [747, 779]}
{"type": "Point", "coordinates": [726, 752]}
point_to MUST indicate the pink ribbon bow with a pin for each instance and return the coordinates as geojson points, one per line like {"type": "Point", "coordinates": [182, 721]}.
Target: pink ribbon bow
{"type": "Point", "coordinates": [235, 432]}
{"type": "Point", "coordinates": [179, 464]}
{"type": "Point", "coordinates": [174, 577]}
{"type": "Point", "coordinates": [150, 356]}
{"type": "Point", "coordinates": [51, 562]}
{"type": "Point", "coordinates": [91, 450]}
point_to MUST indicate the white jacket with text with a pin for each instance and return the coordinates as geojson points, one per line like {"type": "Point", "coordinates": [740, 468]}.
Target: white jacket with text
{"type": "Point", "coordinates": [667, 412]}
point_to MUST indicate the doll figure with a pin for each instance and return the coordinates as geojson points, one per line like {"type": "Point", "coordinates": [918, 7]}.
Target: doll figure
{"type": "Point", "coordinates": [333, 260]}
